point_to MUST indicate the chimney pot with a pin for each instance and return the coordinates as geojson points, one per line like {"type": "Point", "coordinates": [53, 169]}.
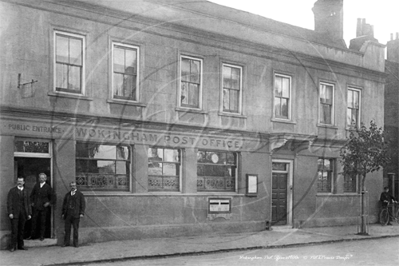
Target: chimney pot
{"type": "Point", "coordinates": [397, 35]}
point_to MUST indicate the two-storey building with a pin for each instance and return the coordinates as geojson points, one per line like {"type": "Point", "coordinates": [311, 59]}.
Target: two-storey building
{"type": "Point", "coordinates": [184, 117]}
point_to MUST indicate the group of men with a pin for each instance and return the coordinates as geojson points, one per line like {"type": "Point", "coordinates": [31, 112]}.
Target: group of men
{"type": "Point", "coordinates": [22, 207]}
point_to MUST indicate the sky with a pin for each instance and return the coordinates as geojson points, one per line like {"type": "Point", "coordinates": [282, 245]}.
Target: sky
{"type": "Point", "coordinates": [382, 14]}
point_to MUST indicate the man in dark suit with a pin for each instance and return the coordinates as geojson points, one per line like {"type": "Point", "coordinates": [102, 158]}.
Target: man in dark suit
{"type": "Point", "coordinates": [42, 198]}
{"type": "Point", "coordinates": [73, 209]}
{"type": "Point", "coordinates": [19, 210]}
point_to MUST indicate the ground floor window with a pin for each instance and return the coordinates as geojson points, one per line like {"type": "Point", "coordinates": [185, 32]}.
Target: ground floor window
{"type": "Point", "coordinates": [102, 166]}
{"type": "Point", "coordinates": [350, 183]}
{"type": "Point", "coordinates": [163, 169]}
{"type": "Point", "coordinates": [325, 173]}
{"type": "Point", "coordinates": [216, 171]}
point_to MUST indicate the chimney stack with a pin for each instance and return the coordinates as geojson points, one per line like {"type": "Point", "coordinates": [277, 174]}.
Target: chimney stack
{"type": "Point", "coordinates": [364, 29]}
{"type": "Point", "coordinates": [329, 18]}
{"type": "Point", "coordinates": [393, 49]}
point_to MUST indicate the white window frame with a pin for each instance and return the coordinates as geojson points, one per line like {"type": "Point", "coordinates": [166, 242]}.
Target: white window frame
{"type": "Point", "coordinates": [83, 78]}
{"type": "Point", "coordinates": [360, 107]}
{"type": "Point", "coordinates": [333, 103]}
{"type": "Point", "coordinates": [180, 82]}
{"type": "Point", "coordinates": [239, 111]}
{"type": "Point", "coordinates": [137, 74]}
{"type": "Point", "coordinates": [289, 99]}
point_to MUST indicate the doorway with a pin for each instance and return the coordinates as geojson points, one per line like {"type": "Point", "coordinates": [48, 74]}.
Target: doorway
{"type": "Point", "coordinates": [30, 168]}
{"type": "Point", "coordinates": [281, 192]}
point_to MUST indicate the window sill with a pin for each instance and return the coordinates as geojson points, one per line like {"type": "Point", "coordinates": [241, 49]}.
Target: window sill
{"type": "Point", "coordinates": [236, 115]}
{"type": "Point", "coordinates": [189, 110]}
{"type": "Point", "coordinates": [285, 121]}
{"type": "Point", "coordinates": [126, 102]}
{"type": "Point", "coordinates": [327, 126]}
{"type": "Point", "coordinates": [68, 95]}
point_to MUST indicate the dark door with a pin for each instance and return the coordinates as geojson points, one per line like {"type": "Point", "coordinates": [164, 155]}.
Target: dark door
{"type": "Point", "coordinates": [30, 168]}
{"type": "Point", "coordinates": [279, 198]}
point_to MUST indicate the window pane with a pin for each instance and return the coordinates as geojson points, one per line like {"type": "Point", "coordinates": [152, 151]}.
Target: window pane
{"type": "Point", "coordinates": [31, 146]}
{"type": "Point", "coordinates": [129, 87]}
{"type": "Point", "coordinates": [119, 60]}
{"type": "Point", "coordinates": [286, 87]}
{"type": "Point", "coordinates": [170, 169]}
{"type": "Point", "coordinates": [227, 77]}
{"type": "Point", "coordinates": [74, 78]}
{"type": "Point", "coordinates": [356, 99]}
{"type": "Point", "coordinates": [234, 100]}
{"type": "Point", "coordinates": [155, 168]}
{"type": "Point", "coordinates": [122, 153]}
{"type": "Point", "coordinates": [277, 87]}
{"type": "Point", "coordinates": [184, 93]}
{"type": "Point", "coordinates": [75, 50]}
{"type": "Point", "coordinates": [61, 76]}
{"type": "Point", "coordinates": [284, 108]}
{"type": "Point", "coordinates": [104, 152]}
{"type": "Point", "coordinates": [185, 69]}
{"type": "Point", "coordinates": [350, 99]}
{"type": "Point", "coordinates": [195, 71]}
{"type": "Point", "coordinates": [118, 84]}
{"type": "Point", "coordinates": [193, 95]}
{"type": "Point", "coordinates": [226, 99]}
{"type": "Point", "coordinates": [106, 167]}
{"type": "Point", "coordinates": [325, 114]}
{"type": "Point", "coordinates": [277, 107]}
{"type": "Point", "coordinates": [171, 155]}
{"type": "Point", "coordinates": [131, 61]}
{"type": "Point", "coordinates": [62, 49]}
{"type": "Point", "coordinates": [235, 73]}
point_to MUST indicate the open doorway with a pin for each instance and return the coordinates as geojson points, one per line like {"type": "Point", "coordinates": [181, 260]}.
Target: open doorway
{"type": "Point", "coordinates": [30, 168]}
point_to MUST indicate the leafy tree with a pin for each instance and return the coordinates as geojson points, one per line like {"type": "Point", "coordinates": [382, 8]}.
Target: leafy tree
{"type": "Point", "coordinates": [366, 151]}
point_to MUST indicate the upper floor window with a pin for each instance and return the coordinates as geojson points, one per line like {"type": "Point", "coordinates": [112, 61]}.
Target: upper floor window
{"type": "Point", "coordinates": [163, 169]}
{"type": "Point", "coordinates": [325, 174]}
{"type": "Point", "coordinates": [282, 96]}
{"type": "Point", "coordinates": [232, 87]}
{"type": "Point", "coordinates": [125, 71]}
{"type": "Point", "coordinates": [102, 167]}
{"type": "Point", "coordinates": [69, 62]}
{"type": "Point", "coordinates": [216, 171]}
{"type": "Point", "coordinates": [190, 82]}
{"type": "Point", "coordinates": [353, 112]}
{"type": "Point", "coordinates": [326, 107]}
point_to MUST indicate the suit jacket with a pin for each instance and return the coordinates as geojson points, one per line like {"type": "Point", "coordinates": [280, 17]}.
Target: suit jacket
{"type": "Point", "coordinates": [39, 196]}
{"type": "Point", "coordinates": [13, 206]}
{"type": "Point", "coordinates": [77, 201]}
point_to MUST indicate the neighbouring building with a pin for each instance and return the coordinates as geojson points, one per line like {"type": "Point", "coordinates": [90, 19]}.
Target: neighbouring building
{"type": "Point", "coordinates": [184, 117]}
{"type": "Point", "coordinates": [392, 113]}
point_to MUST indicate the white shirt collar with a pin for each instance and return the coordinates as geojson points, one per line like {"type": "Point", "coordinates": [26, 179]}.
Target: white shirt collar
{"type": "Point", "coordinates": [42, 184]}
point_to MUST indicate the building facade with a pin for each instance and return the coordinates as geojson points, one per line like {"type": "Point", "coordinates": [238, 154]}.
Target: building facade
{"type": "Point", "coordinates": [392, 113]}
{"type": "Point", "coordinates": [183, 118]}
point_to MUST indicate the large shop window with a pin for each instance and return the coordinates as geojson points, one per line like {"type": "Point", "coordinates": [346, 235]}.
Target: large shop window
{"type": "Point", "coordinates": [216, 171]}
{"type": "Point", "coordinates": [326, 104]}
{"type": "Point", "coordinates": [125, 66]}
{"type": "Point", "coordinates": [325, 173]}
{"type": "Point", "coordinates": [353, 113]}
{"type": "Point", "coordinates": [163, 169]}
{"type": "Point", "coordinates": [231, 88]}
{"type": "Point", "coordinates": [69, 60]}
{"type": "Point", "coordinates": [190, 83]}
{"type": "Point", "coordinates": [282, 95]}
{"type": "Point", "coordinates": [102, 167]}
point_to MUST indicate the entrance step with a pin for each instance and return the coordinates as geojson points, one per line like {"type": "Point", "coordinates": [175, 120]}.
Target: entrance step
{"type": "Point", "coordinates": [37, 243]}
{"type": "Point", "coordinates": [284, 228]}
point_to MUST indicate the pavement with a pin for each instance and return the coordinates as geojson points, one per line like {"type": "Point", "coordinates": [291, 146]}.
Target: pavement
{"type": "Point", "coordinates": [47, 253]}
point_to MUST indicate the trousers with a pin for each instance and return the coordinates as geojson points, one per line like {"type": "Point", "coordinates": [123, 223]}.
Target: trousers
{"type": "Point", "coordinates": [71, 221]}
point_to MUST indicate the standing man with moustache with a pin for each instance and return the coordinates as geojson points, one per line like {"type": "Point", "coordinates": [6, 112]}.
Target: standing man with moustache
{"type": "Point", "coordinates": [73, 209]}
{"type": "Point", "coordinates": [19, 210]}
{"type": "Point", "coordinates": [42, 198]}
